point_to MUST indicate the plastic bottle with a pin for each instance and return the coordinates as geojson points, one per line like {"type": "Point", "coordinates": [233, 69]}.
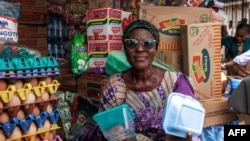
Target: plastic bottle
{"type": "Point", "coordinates": [61, 50]}
{"type": "Point", "coordinates": [50, 48]}
{"type": "Point", "coordinates": [56, 48]}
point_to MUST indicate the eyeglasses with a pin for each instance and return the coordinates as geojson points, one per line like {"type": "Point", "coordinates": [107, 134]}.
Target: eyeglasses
{"type": "Point", "coordinates": [133, 43]}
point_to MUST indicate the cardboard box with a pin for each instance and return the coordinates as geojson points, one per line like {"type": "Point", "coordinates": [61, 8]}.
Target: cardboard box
{"type": "Point", "coordinates": [217, 112]}
{"type": "Point", "coordinates": [168, 20]}
{"type": "Point", "coordinates": [106, 24]}
{"type": "Point", "coordinates": [32, 31]}
{"type": "Point", "coordinates": [98, 53]}
{"type": "Point", "coordinates": [89, 85]}
{"type": "Point", "coordinates": [66, 79]}
{"type": "Point", "coordinates": [172, 58]}
{"type": "Point", "coordinates": [39, 44]}
{"type": "Point", "coordinates": [201, 44]}
{"type": "Point", "coordinates": [68, 82]}
{"type": "Point", "coordinates": [117, 4]}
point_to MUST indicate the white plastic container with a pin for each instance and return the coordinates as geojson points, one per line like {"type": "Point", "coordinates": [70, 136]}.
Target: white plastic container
{"type": "Point", "coordinates": [116, 123]}
{"type": "Point", "coordinates": [183, 114]}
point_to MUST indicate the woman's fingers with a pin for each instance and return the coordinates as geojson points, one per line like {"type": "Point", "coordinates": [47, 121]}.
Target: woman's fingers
{"type": "Point", "coordinates": [189, 136]}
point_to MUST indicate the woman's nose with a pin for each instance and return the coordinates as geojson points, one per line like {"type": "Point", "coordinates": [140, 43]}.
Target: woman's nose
{"type": "Point", "coordinates": [140, 47]}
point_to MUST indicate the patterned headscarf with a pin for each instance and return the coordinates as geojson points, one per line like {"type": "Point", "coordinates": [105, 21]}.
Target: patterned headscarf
{"type": "Point", "coordinates": [142, 24]}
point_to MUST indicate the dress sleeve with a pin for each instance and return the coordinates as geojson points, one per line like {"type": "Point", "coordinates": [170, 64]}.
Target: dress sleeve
{"type": "Point", "coordinates": [113, 93]}
{"type": "Point", "coordinates": [183, 85]}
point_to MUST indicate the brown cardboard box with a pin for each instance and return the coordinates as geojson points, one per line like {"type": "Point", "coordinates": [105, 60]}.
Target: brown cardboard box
{"type": "Point", "coordinates": [39, 44]}
{"type": "Point", "coordinates": [95, 4]}
{"type": "Point", "coordinates": [89, 85]}
{"type": "Point", "coordinates": [66, 79]}
{"type": "Point", "coordinates": [172, 58]}
{"type": "Point", "coordinates": [32, 31]}
{"type": "Point", "coordinates": [201, 44]}
{"type": "Point", "coordinates": [168, 20]}
{"type": "Point", "coordinates": [217, 112]}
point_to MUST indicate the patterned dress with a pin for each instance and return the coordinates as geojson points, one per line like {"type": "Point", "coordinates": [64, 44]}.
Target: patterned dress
{"type": "Point", "coordinates": [147, 106]}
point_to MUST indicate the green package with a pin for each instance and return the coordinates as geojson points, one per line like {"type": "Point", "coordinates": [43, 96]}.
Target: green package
{"type": "Point", "coordinates": [79, 54]}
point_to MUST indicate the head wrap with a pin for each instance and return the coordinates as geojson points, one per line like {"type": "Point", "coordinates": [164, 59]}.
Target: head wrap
{"type": "Point", "coordinates": [142, 24]}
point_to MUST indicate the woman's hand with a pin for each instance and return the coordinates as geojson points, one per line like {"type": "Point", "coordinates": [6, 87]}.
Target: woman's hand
{"type": "Point", "coordinates": [174, 138]}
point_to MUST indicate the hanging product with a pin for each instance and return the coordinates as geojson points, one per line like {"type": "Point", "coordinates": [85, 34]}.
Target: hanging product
{"type": "Point", "coordinates": [79, 54]}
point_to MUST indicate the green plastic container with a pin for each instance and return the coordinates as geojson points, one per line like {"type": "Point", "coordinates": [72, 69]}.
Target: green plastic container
{"type": "Point", "coordinates": [116, 123]}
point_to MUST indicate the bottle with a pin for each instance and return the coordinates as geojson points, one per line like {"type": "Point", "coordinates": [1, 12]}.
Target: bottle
{"type": "Point", "coordinates": [61, 51]}
{"type": "Point", "coordinates": [50, 49]}
{"type": "Point", "coordinates": [56, 48]}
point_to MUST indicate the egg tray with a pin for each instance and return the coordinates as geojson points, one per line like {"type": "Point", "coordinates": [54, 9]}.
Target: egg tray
{"type": "Point", "coordinates": [25, 123]}
{"type": "Point", "coordinates": [28, 67]}
{"type": "Point", "coordinates": [28, 108]}
{"type": "Point", "coordinates": [24, 92]}
{"type": "Point", "coordinates": [44, 134]}
{"type": "Point", "coordinates": [29, 73]}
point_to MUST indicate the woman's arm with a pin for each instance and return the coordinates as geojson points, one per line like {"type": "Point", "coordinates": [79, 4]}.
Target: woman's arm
{"type": "Point", "coordinates": [241, 59]}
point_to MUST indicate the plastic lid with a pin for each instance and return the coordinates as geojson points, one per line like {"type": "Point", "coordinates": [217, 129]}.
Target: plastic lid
{"type": "Point", "coordinates": [120, 115]}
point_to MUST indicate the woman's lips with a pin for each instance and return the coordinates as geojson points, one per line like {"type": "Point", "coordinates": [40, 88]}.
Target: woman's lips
{"type": "Point", "coordinates": [140, 58]}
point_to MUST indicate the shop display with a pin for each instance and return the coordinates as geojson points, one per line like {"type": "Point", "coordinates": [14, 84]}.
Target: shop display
{"type": "Point", "coordinates": [29, 106]}
{"type": "Point", "coordinates": [56, 55]}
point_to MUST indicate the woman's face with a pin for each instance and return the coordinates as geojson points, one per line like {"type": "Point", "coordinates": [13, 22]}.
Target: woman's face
{"type": "Point", "coordinates": [141, 56]}
{"type": "Point", "coordinates": [241, 35]}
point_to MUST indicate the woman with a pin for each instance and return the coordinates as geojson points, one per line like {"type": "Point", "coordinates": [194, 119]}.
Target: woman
{"type": "Point", "coordinates": [144, 87]}
{"type": "Point", "coordinates": [236, 46]}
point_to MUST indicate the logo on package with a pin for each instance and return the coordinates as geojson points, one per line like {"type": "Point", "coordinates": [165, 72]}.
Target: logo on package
{"type": "Point", "coordinates": [171, 27]}
{"type": "Point", "coordinates": [201, 66]}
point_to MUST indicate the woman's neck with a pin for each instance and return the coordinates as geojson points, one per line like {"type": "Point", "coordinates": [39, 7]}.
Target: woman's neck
{"type": "Point", "coordinates": [142, 75]}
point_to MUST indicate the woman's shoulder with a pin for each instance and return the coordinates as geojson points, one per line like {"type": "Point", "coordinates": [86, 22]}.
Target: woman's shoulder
{"type": "Point", "coordinates": [115, 80]}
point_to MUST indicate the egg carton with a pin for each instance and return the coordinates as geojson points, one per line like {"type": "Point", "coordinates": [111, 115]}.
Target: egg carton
{"type": "Point", "coordinates": [25, 123]}
{"type": "Point", "coordinates": [24, 92]}
{"type": "Point", "coordinates": [44, 134]}
{"type": "Point", "coordinates": [28, 108]}
{"type": "Point", "coordinates": [28, 67]}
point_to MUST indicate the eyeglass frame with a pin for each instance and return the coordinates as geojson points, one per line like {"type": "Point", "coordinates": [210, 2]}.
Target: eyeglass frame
{"type": "Point", "coordinates": [142, 44]}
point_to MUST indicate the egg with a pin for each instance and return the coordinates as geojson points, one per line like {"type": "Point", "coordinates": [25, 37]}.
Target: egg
{"type": "Point", "coordinates": [47, 125]}
{"type": "Point", "coordinates": [17, 133]}
{"type": "Point", "coordinates": [51, 137]}
{"type": "Point", "coordinates": [15, 100]}
{"type": "Point", "coordinates": [20, 114]}
{"type": "Point", "coordinates": [36, 111]}
{"type": "Point", "coordinates": [3, 85]}
{"type": "Point", "coordinates": [48, 80]}
{"type": "Point", "coordinates": [30, 99]}
{"type": "Point", "coordinates": [45, 96]}
{"type": "Point", "coordinates": [4, 117]}
{"type": "Point", "coordinates": [32, 129]}
{"type": "Point", "coordinates": [34, 82]}
{"type": "Point", "coordinates": [49, 108]}
{"type": "Point", "coordinates": [1, 106]}
{"type": "Point", "coordinates": [19, 84]}
{"type": "Point", "coordinates": [2, 135]}
{"type": "Point", "coordinates": [37, 138]}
